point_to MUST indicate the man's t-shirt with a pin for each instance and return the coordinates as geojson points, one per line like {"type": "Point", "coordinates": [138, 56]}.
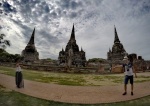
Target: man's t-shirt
{"type": "Point", "coordinates": [128, 69]}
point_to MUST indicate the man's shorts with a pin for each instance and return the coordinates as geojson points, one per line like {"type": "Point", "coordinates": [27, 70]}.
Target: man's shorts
{"type": "Point", "coordinates": [128, 78]}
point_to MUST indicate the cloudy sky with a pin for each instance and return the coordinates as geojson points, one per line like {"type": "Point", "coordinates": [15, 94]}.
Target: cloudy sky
{"type": "Point", "coordinates": [94, 22]}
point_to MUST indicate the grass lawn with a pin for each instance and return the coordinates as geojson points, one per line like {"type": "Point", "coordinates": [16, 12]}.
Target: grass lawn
{"type": "Point", "coordinates": [12, 98]}
{"type": "Point", "coordinates": [72, 78]}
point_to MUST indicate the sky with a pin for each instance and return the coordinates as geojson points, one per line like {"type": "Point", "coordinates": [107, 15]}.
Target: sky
{"type": "Point", "coordinates": [94, 22]}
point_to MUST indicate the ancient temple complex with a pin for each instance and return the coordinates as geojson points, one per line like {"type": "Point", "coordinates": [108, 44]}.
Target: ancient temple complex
{"type": "Point", "coordinates": [118, 52]}
{"type": "Point", "coordinates": [30, 53]}
{"type": "Point", "coordinates": [72, 52]}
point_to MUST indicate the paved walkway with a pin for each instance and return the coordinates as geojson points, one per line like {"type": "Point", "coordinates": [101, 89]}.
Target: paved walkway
{"type": "Point", "coordinates": [76, 94]}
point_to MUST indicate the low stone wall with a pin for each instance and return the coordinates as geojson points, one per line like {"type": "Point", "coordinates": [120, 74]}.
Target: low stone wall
{"type": "Point", "coordinates": [104, 68]}
{"type": "Point", "coordinates": [117, 70]}
{"type": "Point", "coordinates": [8, 64]}
{"type": "Point", "coordinates": [138, 67]}
{"type": "Point", "coordinates": [53, 68]}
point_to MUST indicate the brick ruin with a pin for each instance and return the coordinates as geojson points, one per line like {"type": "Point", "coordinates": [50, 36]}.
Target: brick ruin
{"type": "Point", "coordinates": [30, 53]}
{"type": "Point", "coordinates": [72, 52]}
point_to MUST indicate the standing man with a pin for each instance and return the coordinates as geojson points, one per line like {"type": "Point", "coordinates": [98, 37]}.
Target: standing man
{"type": "Point", "coordinates": [128, 71]}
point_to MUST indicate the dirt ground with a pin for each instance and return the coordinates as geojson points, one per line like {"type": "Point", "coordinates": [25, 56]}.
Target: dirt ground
{"type": "Point", "coordinates": [77, 94]}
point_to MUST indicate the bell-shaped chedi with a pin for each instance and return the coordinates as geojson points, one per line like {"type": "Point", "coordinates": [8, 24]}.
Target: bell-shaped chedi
{"type": "Point", "coordinates": [72, 42]}
{"type": "Point", "coordinates": [118, 51]}
{"type": "Point", "coordinates": [77, 57]}
{"type": "Point", "coordinates": [30, 53]}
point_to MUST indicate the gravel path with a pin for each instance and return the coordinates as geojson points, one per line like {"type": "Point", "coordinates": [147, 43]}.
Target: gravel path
{"type": "Point", "coordinates": [76, 94]}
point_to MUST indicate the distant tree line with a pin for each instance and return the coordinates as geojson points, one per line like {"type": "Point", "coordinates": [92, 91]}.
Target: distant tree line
{"type": "Point", "coordinates": [95, 60]}
{"type": "Point", "coordinates": [3, 42]}
{"type": "Point", "coordinates": [5, 56]}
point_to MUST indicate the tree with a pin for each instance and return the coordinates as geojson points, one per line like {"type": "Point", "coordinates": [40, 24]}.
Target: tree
{"type": "Point", "coordinates": [3, 42]}
{"type": "Point", "coordinates": [17, 57]}
{"type": "Point", "coordinates": [6, 57]}
{"type": "Point", "coordinates": [97, 60]}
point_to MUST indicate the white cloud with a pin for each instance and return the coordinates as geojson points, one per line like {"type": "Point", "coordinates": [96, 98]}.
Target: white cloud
{"type": "Point", "coordinates": [94, 23]}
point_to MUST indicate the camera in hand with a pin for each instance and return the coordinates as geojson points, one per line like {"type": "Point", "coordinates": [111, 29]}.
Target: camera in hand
{"type": "Point", "coordinates": [128, 67]}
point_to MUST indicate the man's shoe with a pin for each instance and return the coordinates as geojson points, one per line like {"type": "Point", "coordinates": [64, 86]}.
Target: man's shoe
{"type": "Point", "coordinates": [124, 93]}
{"type": "Point", "coordinates": [131, 93]}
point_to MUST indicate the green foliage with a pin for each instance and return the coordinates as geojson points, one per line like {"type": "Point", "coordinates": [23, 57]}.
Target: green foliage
{"type": "Point", "coordinates": [96, 60]}
{"type": "Point", "coordinates": [49, 59]}
{"type": "Point", "coordinates": [3, 42]}
{"type": "Point", "coordinates": [2, 50]}
{"type": "Point", "coordinates": [6, 57]}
